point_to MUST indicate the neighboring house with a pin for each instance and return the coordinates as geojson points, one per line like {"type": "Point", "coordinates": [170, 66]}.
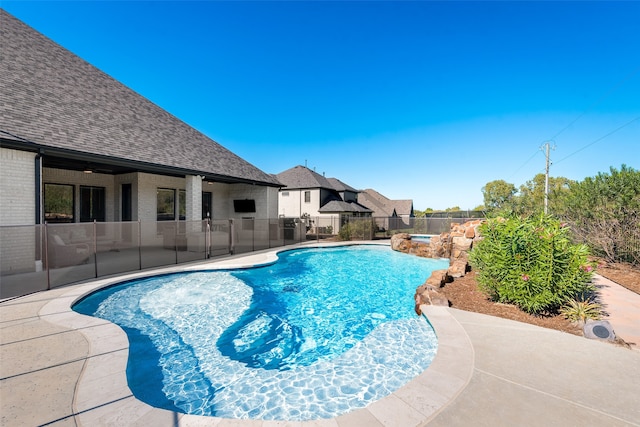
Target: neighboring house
{"type": "Point", "coordinates": [399, 212]}
{"type": "Point", "coordinates": [77, 145]}
{"type": "Point", "coordinates": [326, 200]}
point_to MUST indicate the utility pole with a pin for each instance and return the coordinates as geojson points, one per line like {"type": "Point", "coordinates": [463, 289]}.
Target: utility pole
{"type": "Point", "coordinates": [546, 179]}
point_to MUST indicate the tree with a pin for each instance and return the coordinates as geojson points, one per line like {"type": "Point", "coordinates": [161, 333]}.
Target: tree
{"type": "Point", "coordinates": [421, 214]}
{"type": "Point", "coordinates": [530, 200]}
{"type": "Point", "coordinates": [604, 212]}
{"type": "Point", "coordinates": [498, 196]}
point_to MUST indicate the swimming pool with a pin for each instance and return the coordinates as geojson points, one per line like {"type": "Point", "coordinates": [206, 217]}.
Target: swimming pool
{"type": "Point", "coordinates": [422, 238]}
{"type": "Point", "coordinates": [317, 334]}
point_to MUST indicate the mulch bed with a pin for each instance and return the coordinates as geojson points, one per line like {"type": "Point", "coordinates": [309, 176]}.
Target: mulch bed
{"type": "Point", "coordinates": [463, 293]}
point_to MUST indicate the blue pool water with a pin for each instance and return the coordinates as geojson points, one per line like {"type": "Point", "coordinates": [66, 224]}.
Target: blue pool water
{"type": "Point", "coordinates": [317, 334]}
{"type": "Point", "coordinates": [422, 238]}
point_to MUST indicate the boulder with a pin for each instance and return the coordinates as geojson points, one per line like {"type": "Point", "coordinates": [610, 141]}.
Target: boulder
{"type": "Point", "coordinates": [438, 279]}
{"type": "Point", "coordinates": [401, 242]}
{"type": "Point", "coordinates": [435, 298]}
{"type": "Point", "coordinates": [454, 245]}
{"type": "Point", "coordinates": [470, 233]}
{"type": "Point", "coordinates": [458, 268]}
{"type": "Point", "coordinates": [462, 243]}
{"type": "Point", "coordinates": [421, 249]}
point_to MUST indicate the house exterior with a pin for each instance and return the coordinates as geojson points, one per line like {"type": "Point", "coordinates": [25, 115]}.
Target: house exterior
{"type": "Point", "coordinates": [78, 146]}
{"type": "Point", "coordinates": [307, 194]}
{"type": "Point", "coordinates": [399, 212]}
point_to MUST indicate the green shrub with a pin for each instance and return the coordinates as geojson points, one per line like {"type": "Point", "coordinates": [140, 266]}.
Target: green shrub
{"type": "Point", "coordinates": [358, 229]}
{"type": "Point", "coordinates": [531, 263]}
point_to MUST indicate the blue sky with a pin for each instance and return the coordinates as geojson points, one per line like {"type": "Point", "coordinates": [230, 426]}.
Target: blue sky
{"type": "Point", "coordinates": [424, 100]}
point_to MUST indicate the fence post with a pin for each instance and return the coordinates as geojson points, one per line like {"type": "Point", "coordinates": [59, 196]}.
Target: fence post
{"type": "Point", "coordinates": [46, 255]}
{"type": "Point", "coordinates": [175, 240]}
{"type": "Point", "coordinates": [207, 239]}
{"type": "Point", "coordinates": [95, 248]}
{"type": "Point", "coordinates": [231, 239]}
{"type": "Point", "coordinates": [139, 245]}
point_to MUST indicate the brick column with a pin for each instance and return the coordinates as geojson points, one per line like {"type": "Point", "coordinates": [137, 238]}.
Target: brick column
{"type": "Point", "coordinates": [193, 187]}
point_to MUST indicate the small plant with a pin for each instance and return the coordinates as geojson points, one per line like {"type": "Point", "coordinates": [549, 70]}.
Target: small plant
{"type": "Point", "coordinates": [581, 310]}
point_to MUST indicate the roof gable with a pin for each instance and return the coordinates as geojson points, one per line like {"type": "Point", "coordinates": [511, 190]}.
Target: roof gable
{"type": "Point", "coordinates": [379, 204]}
{"type": "Point", "coordinates": [341, 186]}
{"type": "Point", "coordinates": [403, 207]}
{"type": "Point", "coordinates": [303, 177]}
{"type": "Point", "coordinates": [383, 206]}
{"type": "Point", "coordinates": [339, 206]}
{"type": "Point", "coordinates": [53, 98]}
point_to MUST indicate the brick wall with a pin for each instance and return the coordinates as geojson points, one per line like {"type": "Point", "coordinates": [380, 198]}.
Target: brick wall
{"type": "Point", "coordinates": [17, 187]}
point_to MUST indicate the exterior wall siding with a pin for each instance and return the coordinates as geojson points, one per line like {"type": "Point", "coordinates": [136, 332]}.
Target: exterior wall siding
{"type": "Point", "coordinates": [289, 205]}
{"type": "Point", "coordinates": [266, 200]}
{"type": "Point", "coordinates": [17, 187]}
{"type": "Point", "coordinates": [17, 207]}
{"type": "Point", "coordinates": [294, 205]}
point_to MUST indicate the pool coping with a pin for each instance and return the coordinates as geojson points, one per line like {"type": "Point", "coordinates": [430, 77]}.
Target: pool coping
{"type": "Point", "coordinates": [102, 396]}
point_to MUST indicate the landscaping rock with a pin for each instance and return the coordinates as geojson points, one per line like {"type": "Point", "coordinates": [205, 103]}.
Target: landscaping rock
{"type": "Point", "coordinates": [401, 242]}
{"type": "Point", "coordinates": [438, 278]}
{"type": "Point", "coordinates": [435, 298]}
{"type": "Point", "coordinates": [454, 245]}
{"type": "Point", "coordinates": [458, 268]}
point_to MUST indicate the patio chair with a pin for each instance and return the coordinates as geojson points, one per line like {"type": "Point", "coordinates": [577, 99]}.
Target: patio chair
{"type": "Point", "coordinates": [62, 254]}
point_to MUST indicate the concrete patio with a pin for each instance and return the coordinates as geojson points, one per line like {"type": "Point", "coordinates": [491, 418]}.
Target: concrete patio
{"type": "Point", "coordinates": [60, 368]}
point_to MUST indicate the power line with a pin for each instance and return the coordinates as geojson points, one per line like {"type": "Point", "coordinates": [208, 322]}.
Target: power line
{"type": "Point", "coordinates": [599, 139]}
{"type": "Point", "coordinates": [524, 164]}
{"type": "Point", "coordinates": [598, 101]}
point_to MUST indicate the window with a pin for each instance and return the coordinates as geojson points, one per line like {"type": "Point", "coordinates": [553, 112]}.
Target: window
{"type": "Point", "coordinates": [206, 204]}
{"type": "Point", "coordinates": [307, 196]}
{"type": "Point", "coordinates": [285, 194]}
{"type": "Point", "coordinates": [58, 203]}
{"type": "Point", "coordinates": [92, 204]}
{"type": "Point", "coordinates": [166, 209]}
{"type": "Point", "coordinates": [127, 197]}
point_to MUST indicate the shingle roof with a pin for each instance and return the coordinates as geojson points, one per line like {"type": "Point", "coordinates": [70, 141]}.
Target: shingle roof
{"type": "Point", "coordinates": [403, 207]}
{"type": "Point", "coordinates": [379, 204]}
{"type": "Point", "coordinates": [303, 177]}
{"type": "Point", "coordinates": [53, 98]}
{"type": "Point", "coordinates": [341, 186]}
{"type": "Point", "coordinates": [382, 206]}
{"type": "Point", "coordinates": [340, 206]}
